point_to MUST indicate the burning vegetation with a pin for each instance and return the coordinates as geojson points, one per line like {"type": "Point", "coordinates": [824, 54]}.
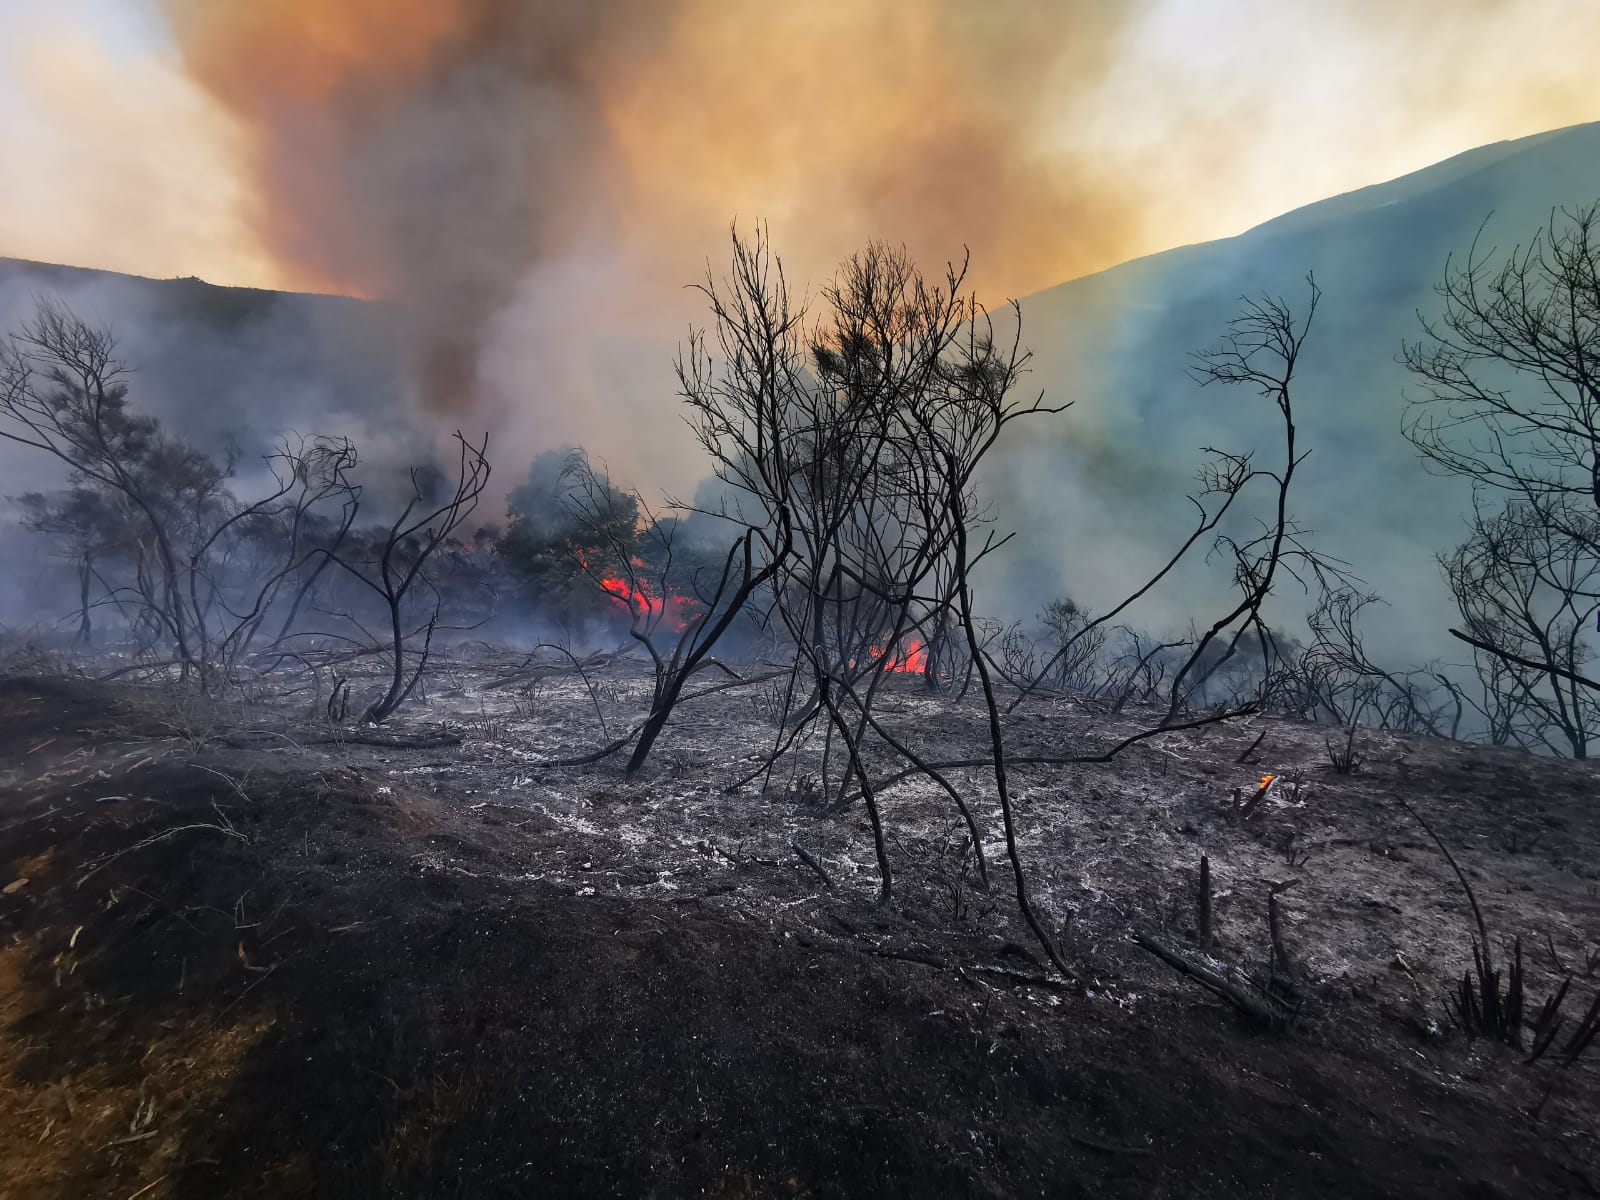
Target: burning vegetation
{"type": "Point", "coordinates": [788, 681]}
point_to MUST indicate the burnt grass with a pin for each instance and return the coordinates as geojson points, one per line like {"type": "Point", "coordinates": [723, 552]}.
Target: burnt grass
{"type": "Point", "coordinates": [237, 959]}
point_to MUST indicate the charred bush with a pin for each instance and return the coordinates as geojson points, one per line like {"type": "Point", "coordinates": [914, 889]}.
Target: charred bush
{"type": "Point", "coordinates": [1348, 760]}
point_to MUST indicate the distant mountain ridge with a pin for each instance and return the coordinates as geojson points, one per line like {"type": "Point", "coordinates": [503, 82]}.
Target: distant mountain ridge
{"type": "Point", "coordinates": [218, 361]}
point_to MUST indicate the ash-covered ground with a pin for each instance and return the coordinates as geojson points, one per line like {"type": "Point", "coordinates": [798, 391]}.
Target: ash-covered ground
{"type": "Point", "coordinates": [243, 954]}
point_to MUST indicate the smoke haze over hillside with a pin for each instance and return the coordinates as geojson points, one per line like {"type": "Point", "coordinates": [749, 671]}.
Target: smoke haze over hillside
{"type": "Point", "coordinates": [532, 183]}
{"type": "Point", "coordinates": [529, 186]}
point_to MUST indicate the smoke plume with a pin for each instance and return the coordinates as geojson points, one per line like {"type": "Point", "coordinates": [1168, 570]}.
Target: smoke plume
{"type": "Point", "coordinates": [463, 157]}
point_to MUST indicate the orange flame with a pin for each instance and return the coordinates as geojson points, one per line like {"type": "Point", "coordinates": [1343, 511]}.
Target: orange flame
{"type": "Point", "coordinates": [678, 610]}
{"type": "Point", "coordinates": [641, 602]}
{"type": "Point", "coordinates": [913, 662]}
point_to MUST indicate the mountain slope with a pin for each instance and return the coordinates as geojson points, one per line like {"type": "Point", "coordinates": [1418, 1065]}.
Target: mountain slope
{"type": "Point", "coordinates": [217, 364]}
{"type": "Point", "coordinates": [1098, 492]}
{"type": "Point", "coordinates": [218, 361]}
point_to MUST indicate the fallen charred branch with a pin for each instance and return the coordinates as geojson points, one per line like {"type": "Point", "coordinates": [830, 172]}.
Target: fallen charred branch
{"type": "Point", "coordinates": [1251, 749]}
{"type": "Point", "coordinates": [737, 681]}
{"type": "Point", "coordinates": [1066, 760]}
{"type": "Point", "coordinates": [352, 737]}
{"type": "Point", "coordinates": [591, 757]}
{"type": "Point", "coordinates": [813, 940]}
{"type": "Point", "coordinates": [159, 665]}
{"type": "Point", "coordinates": [1262, 1008]}
{"type": "Point", "coordinates": [822, 872]}
{"type": "Point", "coordinates": [1347, 761]}
{"type": "Point", "coordinates": [226, 829]}
{"type": "Point", "coordinates": [528, 672]}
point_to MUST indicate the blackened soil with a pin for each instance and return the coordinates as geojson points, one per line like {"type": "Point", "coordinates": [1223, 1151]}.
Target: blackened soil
{"type": "Point", "coordinates": [216, 982]}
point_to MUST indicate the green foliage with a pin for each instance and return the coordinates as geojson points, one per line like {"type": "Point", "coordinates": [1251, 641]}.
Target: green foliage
{"type": "Point", "coordinates": [552, 530]}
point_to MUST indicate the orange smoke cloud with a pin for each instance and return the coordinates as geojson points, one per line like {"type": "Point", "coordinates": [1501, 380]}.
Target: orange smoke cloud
{"type": "Point", "coordinates": [434, 151]}
{"type": "Point", "coordinates": [424, 150]}
{"type": "Point", "coordinates": [532, 181]}
{"type": "Point", "coordinates": [842, 121]}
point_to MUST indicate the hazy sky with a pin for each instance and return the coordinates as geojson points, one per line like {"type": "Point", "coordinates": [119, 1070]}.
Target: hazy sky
{"type": "Point", "coordinates": [1197, 119]}
{"type": "Point", "coordinates": [535, 181]}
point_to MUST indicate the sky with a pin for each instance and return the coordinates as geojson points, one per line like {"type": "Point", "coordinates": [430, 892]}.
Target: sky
{"type": "Point", "coordinates": [1199, 119]}
{"type": "Point", "coordinates": [535, 184]}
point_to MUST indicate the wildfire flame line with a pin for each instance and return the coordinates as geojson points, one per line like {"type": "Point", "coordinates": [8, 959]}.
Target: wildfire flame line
{"type": "Point", "coordinates": [913, 662]}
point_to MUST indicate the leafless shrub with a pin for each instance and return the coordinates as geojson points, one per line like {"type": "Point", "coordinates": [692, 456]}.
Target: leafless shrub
{"type": "Point", "coordinates": [1346, 761]}
{"type": "Point", "coordinates": [1138, 674]}
{"type": "Point", "coordinates": [217, 586]}
{"type": "Point", "coordinates": [394, 570]}
{"type": "Point", "coordinates": [1527, 584]}
{"type": "Point", "coordinates": [771, 704]}
{"type": "Point", "coordinates": [805, 791]}
{"type": "Point", "coordinates": [486, 726]}
{"type": "Point", "coordinates": [1507, 400]}
{"type": "Point", "coordinates": [961, 887]}
{"type": "Point", "coordinates": [1336, 679]}
{"type": "Point", "coordinates": [34, 654]}
{"type": "Point", "coordinates": [151, 522]}
{"type": "Point", "coordinates": [1295, 856]}
{"type": "Point", "coordinates": [525, 705]}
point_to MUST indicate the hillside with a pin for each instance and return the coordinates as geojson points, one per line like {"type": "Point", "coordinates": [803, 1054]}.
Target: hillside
{"type": "Point", "coordinates": [245, 956]}
{"type": "Point", "coordinates": [1097, 492]}
{"type": "Point", "coordinates": [853, 924]}
{"type": "Point", "coordinates": [219, 361]}
{"type": "Point", "coordinates": [1112, 471]}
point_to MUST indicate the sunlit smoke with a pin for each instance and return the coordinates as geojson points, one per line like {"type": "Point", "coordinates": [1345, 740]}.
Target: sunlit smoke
{"type": "Point", "coordinates": [439, 153]}
{"type": "Point", "coordinates": [531, 182]}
